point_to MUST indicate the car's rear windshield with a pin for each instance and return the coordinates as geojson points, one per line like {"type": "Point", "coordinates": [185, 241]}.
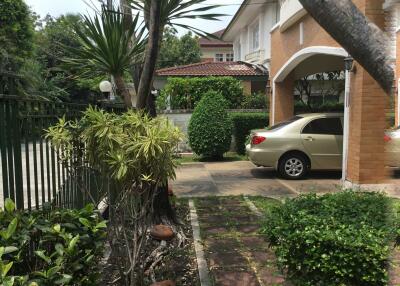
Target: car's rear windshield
{"type": "Point", "coordinates": [285, 123]}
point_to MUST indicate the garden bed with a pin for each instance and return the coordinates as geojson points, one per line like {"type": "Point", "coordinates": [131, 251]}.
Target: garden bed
{"type": "Point", "coordinates": [178, 264]}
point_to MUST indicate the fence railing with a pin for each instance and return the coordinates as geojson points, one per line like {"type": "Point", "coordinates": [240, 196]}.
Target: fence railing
{"type": "Point", "coordinates": [31, 173]}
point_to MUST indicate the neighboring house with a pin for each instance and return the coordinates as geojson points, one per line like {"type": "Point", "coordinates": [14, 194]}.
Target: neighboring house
{"type": "Point", "coordinates": [254, 78]}
{"type": "Point", "coordinates": [214, 50]}
{"type": "Point", "coordinates": [283, 37]}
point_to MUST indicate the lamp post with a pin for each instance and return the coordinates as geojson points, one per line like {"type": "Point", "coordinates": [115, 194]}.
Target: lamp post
{"type": "Point", "coordinates": [106, 88]}
{"type": "Point", "coordinates": [348, 65]}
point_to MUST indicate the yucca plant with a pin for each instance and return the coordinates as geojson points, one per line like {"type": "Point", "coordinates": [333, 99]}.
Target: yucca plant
{"type": "Point", "coordinates": [107, 48]}
{"type": "Point", "coordinates": [161, 13]}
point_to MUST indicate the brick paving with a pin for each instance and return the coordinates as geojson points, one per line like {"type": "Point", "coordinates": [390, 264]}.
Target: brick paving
{"type": "Point", "coordinates": [236, 254]}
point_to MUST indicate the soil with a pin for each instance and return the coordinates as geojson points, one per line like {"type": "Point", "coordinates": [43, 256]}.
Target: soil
{"type": "Point", "coordinates": [179, 264]}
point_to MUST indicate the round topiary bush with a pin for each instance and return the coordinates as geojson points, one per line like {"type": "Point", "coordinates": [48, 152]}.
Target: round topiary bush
{"type": "Point", "coordinates": [210, 128]}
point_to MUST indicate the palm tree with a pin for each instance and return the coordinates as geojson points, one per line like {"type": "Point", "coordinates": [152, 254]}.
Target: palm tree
{"type": "Point", "coordinates": [158, 14]}
{"type": "Point", "coordinates": [364, 41]}
{"type": "Point", "coordinates": [107, 48]}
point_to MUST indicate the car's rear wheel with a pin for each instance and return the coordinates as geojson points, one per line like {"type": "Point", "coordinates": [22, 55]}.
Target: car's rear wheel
{"type": "Point", "coordinates": [293, 166]}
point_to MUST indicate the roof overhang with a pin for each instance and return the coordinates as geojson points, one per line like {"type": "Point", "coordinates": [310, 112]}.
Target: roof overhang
{"type": "Point", "coordinates": [247, 13]}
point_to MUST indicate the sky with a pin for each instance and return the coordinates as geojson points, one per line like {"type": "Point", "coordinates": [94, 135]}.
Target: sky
{"type": "Point", "coordinates": [58, 7]}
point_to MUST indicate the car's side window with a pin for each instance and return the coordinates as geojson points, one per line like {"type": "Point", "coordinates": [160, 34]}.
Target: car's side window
{"type": "Point", "coordinates": [326, 126]}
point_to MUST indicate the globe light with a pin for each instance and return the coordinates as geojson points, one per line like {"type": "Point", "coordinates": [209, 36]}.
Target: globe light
{"type": "Point", "coordinates": [105, 86]}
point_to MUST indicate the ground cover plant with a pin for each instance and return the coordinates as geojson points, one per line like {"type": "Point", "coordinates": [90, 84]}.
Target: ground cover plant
{"type": "Point", "coordinates": [338, 239]}
{"type": "Point", "coordinates": [50, 246]}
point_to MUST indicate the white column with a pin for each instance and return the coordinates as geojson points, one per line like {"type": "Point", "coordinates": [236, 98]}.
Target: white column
{"type": "Point", "coordinates": [346, 124]}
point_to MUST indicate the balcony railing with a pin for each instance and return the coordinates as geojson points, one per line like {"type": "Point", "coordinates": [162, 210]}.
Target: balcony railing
{"type": "Point", "coordinates": [255, 57]}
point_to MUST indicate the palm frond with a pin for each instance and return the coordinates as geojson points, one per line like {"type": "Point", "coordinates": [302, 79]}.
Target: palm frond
{"type": "Point", "coordinates": [172, 10]}
{"type": "Point", "coordinates": [106, 45]}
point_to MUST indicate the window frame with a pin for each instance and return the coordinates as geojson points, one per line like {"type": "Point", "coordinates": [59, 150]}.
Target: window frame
{"type": "Point", "coordinates": [255, 26]}
{"type": "Point", "coordinates": [216, 57]}
{"type": "Point", "coordinates": [231, 57]}
{"type": "Point", "coordinates": [321, 118]}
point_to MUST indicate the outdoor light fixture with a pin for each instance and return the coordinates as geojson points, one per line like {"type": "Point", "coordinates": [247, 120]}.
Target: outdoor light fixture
{"type": "Point", "coordinates": [106, 88]}
{"type": "Point", "coordinates": [348, 63]}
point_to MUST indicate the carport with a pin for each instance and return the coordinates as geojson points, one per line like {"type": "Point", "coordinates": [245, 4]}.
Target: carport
{"type": "Point", "coordinates": [364, 123]}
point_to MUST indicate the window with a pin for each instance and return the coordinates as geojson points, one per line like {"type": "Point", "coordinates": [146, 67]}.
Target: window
{"type": "Point", "coordinates": [229, 57]}
{"type": "Point", "coordinates": [219, 57]}
{"type": "Point", "coordinates": [238, 51]}
{"type": "Point", "coordinates": [285, 123]}
{"type": "Point", "coordinates": [327, 126]}
{"type": "Point", "coordinates": [255, 35]}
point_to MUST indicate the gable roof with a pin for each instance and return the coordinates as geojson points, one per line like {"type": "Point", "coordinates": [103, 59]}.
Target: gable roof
{"type": "Point", "coordinates": [215, 69]}
{"type": "Point", "coordinates": [206, 43]}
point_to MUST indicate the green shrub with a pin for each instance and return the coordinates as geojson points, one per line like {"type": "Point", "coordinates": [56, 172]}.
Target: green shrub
{"type": "Point", "coordinates": [339, 239]}
{"type": "Point", "coordinates": [255, 101]}
{"type": "Point", "coordinates": [210, 127]}
{"type": "Point", "coordinates": [50, 247]}
{"type": "Point", "coordinates": [186, 92]}
{"type": "Point", "coordinates": [328, 106]}
{"type": "Point", "coordinates": [243, 123]}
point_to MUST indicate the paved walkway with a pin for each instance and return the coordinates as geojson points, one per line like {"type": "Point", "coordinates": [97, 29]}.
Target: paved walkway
{"type": "Point", "coordinates": [243, 178]}
{"type": "Point", "coordinates": [236, 254]}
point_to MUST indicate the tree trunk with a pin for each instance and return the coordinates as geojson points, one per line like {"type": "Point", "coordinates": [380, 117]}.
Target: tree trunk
{"type": "Point", "coordinates": [152, 51]}
{"type": "Point", "coordinates": [123, 91]}
{"type": "Point", "coordinates": [361, 38]}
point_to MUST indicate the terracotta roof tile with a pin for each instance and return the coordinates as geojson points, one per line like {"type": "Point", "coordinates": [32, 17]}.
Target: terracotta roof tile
{"type": "Point", "coordinates": [214, 69]}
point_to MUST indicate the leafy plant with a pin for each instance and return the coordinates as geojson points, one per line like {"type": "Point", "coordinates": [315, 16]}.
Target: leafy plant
{"type": "Point", "coordinates": [106, 48]}
{"type": "Point", "coordinates": [210, 127]}
{"type": "Point", "coordinates": [135, 153]}
{"type": "Point", "coordinates": [50, 247]}
{"type": "Point", "coordinates": [254, 101]}
{"type": "Point", "coordinates": [339, 239]}
{"type": "Point", "coordinates": [185, 93]}
{"type": "Point", "coordinates": [243, 123]}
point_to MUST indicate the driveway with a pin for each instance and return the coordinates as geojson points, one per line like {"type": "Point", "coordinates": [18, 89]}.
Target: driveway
{"type": "Point", "coordinates": [243, 178]}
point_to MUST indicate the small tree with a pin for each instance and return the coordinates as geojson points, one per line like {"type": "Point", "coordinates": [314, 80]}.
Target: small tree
{"type": "Point", "coordinates": [135, 153]}
{"type": "Point", "coordinates": [210, 128]}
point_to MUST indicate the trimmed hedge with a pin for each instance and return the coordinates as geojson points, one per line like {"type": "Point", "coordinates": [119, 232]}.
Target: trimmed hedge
{"type": "Point", "coordinates": [243, 123]}
{"type": "Point", "coordinates": [338, 239]}
{"type": "Point", "coordinates": [210, 127]}
{"type": "Point", "coordinates": [185, 93]}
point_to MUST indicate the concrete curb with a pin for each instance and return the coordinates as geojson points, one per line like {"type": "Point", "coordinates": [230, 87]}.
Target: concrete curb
{"type": "Point", "coordinates": [252, 206]}
{"type": "Point", "coordinates": [201, 261]}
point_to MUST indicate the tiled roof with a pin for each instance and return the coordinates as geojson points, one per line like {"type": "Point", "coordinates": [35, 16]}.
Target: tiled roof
{"type": "Point", "coordinates": [214, 69]}
{"type": "Point", "coordinates": [204, 42]}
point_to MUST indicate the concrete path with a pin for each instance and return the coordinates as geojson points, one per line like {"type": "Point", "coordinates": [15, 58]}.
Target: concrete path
{"type": "Point", "coordinates": [243, 178]}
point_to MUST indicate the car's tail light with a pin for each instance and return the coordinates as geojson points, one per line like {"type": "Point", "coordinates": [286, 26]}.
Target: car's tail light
{"type": "Point", "coordinates": [387, 138]}
{"type": "Point", "coordinates": [257, 139]}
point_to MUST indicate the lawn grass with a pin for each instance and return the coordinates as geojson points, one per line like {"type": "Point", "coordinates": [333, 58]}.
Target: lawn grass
{"type": "Point", "coordinates": [193, 158]}
{"type": "Point", "coordinates": [265, 204]}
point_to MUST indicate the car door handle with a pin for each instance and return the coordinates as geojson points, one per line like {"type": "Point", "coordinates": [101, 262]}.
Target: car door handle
{"type": "Point", "coordinates": [309, 138]}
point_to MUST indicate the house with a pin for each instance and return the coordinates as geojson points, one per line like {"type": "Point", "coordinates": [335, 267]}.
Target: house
{"type": "Point", "coordinates": [215, 50]}
{"type": "Point", "coordinates": [284, 38]}
{"type": "Point", "coordinates": [253, 77]}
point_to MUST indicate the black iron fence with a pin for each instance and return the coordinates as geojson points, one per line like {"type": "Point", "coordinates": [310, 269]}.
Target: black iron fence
{"type": "Point", "coordinates": [31, 173]}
